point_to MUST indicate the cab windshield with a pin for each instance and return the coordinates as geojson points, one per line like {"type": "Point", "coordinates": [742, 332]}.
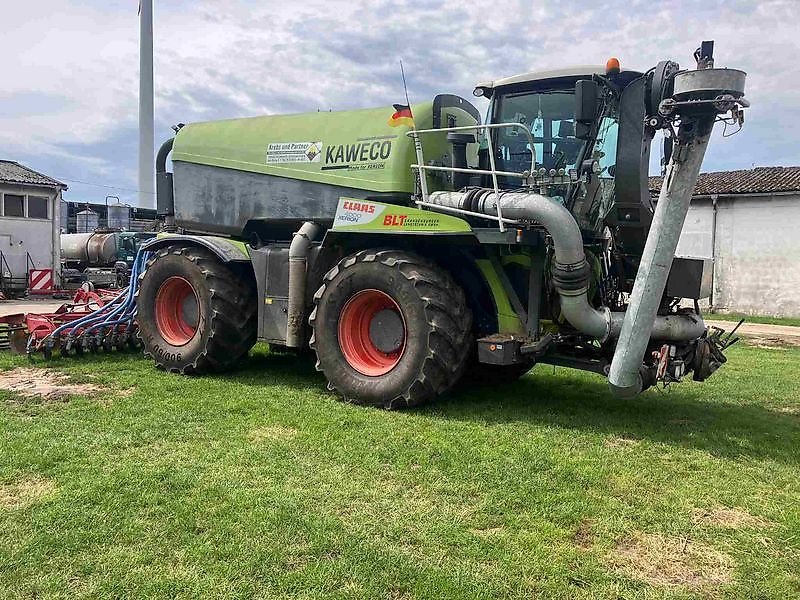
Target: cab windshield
{"type": "Point", "coordinates": [549, 116]}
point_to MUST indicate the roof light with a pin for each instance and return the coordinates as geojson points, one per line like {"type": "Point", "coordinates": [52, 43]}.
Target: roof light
{"type": "Point", "coordinates": [612, 66]}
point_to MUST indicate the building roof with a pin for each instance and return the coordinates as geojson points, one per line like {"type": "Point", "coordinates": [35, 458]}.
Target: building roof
{"type": "Point", "coordinates": [13, 172]}
{"type": "Point", "coordinates": [760, 180]}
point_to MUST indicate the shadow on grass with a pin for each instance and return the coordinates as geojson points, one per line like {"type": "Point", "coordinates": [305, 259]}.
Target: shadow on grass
{"type": "Point", "coordinates": [692, 415]}
{"type": "Point", "coordinates": [719, 419]}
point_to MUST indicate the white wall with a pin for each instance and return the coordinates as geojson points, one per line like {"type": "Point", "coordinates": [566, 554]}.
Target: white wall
{"type": "Point", "coordinates": [757, 254]}
{"type": "Point", "coordinates": [38, 237]}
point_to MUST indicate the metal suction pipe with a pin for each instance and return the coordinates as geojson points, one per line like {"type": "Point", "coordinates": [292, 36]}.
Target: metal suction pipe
{"type": "Point", "coordinates": [298, 277]}
{"type": "Point", "coordinates": [571, 272]}
{"type": "Point", "coordinates": [648, 288]}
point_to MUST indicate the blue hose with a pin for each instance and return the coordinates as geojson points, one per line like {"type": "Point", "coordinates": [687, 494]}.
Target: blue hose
{"type": "Point", "coordinates": [120, 310]}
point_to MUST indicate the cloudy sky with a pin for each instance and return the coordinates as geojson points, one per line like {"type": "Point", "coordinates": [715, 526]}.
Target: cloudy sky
{"type": "Point", "coordinates": [68, 100]}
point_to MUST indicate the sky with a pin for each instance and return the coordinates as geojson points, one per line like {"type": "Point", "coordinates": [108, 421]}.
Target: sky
{"type": "Point", "coordinates": [69, 106]}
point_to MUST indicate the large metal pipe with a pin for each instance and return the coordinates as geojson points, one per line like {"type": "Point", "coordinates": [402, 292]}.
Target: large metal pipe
{"type": "Point", "coordinates": [298, 277]}
{"type": "Point", "coordinates": [571, 271]}
{"type": "Point", "coordinates": [165, 195]}
{"type": "Point", "coordinates": [624, 378]}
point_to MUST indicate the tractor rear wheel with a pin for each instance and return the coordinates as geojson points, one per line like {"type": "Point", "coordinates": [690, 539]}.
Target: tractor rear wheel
{"type": "Point", "coordinates": [390, 329]}
{"type": "Point", "coordinates": [195, 314]}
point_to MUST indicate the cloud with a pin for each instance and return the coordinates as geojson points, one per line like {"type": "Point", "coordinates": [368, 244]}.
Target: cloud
{"type": "Point", "coordinates": [68, 105]}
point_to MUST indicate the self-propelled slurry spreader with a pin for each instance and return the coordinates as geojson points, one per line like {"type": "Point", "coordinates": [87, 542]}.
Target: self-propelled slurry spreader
{"type": "Point", "coordinates": [409, 244]}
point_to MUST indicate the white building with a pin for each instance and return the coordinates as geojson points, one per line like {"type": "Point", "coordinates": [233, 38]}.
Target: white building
{"type": "Point", "coordinates": [29, 224]}
{"type": "Point", "coordinates": [748, 222]}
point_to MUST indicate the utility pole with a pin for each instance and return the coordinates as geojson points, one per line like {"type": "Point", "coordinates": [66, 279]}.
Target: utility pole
{"type": "Point", "coordinates": [146, 166]}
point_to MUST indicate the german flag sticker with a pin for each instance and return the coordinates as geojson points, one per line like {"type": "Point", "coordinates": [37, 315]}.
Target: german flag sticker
{"type": "Point", "coordinates": [402, 116]}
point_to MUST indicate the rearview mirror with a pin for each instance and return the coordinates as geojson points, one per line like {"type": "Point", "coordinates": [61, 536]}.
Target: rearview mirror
{"type": "Point", "coordinates": [586, 101]}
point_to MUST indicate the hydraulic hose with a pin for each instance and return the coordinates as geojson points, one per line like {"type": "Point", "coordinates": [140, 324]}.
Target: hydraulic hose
{"type": "Point", "coordinates": [122, 307]}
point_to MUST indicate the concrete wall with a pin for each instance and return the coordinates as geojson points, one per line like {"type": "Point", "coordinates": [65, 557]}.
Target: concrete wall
{"type": "Point", "coordinates": [756, 251]}
{"type": "Point", "coordinates": [38, 237]}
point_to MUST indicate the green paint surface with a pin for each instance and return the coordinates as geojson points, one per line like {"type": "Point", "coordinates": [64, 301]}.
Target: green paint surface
{"type": "Point", "coordinates": [507, 319]}
{"type": "Point", "coordinates": [356, 148]}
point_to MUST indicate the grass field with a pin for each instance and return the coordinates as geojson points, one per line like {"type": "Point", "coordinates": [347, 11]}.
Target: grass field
{"type": "Point", "coordinates": [260, 484]}
{"type": "Point", "coordinates": [788, 321]}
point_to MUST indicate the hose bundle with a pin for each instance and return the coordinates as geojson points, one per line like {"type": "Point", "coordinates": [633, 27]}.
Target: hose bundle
{"type": "Point", "coordinates": [113, 325]}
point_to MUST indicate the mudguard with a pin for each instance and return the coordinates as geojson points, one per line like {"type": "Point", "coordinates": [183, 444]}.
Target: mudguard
{"type": "Point", "coordinates": [226, 249]}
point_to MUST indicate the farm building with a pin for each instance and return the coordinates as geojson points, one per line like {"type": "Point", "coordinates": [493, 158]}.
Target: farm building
{"type": "Point", "coordinates": [29, 224]}
{"type": "Point", "coordinates": [747, 221]}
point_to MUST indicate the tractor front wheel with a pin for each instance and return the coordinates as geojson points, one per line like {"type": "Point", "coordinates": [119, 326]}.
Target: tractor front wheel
{"type": "Point", "coordinates": [390, 329]}
{"type": "Point", "coordinates": [195, 314]}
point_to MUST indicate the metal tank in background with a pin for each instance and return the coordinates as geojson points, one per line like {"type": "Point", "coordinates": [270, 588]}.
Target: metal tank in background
{"type": "Point", "coordinates": [98, 249]}
{"type": "Point", "coordinates": [119, 216]}
{"type": "Point", "coordinates": [87, 221]}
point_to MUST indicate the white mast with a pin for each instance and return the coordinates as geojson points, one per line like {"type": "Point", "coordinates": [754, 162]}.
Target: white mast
{"type": "Point", "coordinates": [146, 166]}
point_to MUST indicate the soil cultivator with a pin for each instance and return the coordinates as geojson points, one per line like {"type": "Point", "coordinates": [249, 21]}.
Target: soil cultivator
{"type": "Point", "coordinates": [94, 320]}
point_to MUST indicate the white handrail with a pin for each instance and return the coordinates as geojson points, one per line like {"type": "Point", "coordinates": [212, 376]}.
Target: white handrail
{"type": "Point", "coordinates": [421, 167]}
{"type": "Point", "coordinates": [488, 126]}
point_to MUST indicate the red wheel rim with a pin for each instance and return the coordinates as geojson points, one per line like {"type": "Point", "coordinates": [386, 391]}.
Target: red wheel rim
{"type": "Point", "coordinates": [367, 316]}
{"type": "Point", "coordinates": [176, 311]}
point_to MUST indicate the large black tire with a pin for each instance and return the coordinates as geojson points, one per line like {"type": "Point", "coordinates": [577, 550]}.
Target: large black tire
{"type": "Point", "coordinates": [436, 328]}
{"type": "Point", "coordinates": [208, 331]}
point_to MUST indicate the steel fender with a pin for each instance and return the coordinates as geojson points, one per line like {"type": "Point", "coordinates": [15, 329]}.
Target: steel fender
{"type": "Point", "coordinates": [226, 249]}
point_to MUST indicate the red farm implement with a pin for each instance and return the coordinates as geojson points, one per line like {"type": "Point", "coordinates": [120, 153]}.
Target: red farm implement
{"type": "Point", "coordinates": [95, 319]}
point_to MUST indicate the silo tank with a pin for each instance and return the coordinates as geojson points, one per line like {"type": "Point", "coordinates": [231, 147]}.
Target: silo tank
{"type": "Point", "coordinates": [119, 216]}
{"type": "Point", "coordinates": [87, 221]}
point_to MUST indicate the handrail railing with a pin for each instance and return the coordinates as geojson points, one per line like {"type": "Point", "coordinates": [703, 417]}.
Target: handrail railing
{"type": "Point", "coordinates": [4, 267]}
{"type": "Point", "coordinates": [422, 167]}
{"type": "Point", "coordinates": [29, 264]}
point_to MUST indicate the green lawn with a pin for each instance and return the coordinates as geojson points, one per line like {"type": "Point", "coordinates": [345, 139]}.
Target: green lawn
{"type": "Point", "coordinates": [260, 484]}
{"type": "Point", "coordinates": [790, 321]}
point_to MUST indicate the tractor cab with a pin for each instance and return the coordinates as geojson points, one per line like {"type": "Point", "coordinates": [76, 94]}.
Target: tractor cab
{"type": "Point", "coordinates": [590, 145]}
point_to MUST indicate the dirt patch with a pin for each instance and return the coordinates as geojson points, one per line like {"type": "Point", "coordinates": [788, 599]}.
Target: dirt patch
{"type": "Point", "coordinates": [727, 518]}
{"type": "Point", "coordinates": [44, 383]}
{"type": "Point", "coordinates": [789, 410]}
{"type": "Point", "coordinates": [771, 342]}
{"type": "Point", "coordinates": [671, 562]}
{"type": "Point", "coordinates": [25, 492]}
{"type": "Point", "coordinates": [271, 433]}
{"type": "Point", "coordinates": [584, 535]}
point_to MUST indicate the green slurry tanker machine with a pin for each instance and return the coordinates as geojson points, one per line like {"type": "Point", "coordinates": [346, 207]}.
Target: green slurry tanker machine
{"type": "Point", "coordinates": [412, 246]}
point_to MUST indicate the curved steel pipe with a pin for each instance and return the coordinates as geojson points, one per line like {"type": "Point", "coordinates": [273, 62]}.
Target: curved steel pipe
{"type": "Point", "coordinates": [298, 279]}
{"type": "Point", "coordinates": [571, 271]}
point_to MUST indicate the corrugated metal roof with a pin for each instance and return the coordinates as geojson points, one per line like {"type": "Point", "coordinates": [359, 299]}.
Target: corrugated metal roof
{"type": "Point", "coordinates": [761, 180]}
{"type": "Point", "coordinates": [13, 172]}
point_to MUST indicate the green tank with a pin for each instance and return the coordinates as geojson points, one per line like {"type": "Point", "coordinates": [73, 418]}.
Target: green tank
{"type": "Point", "coordinates": [230, 176]}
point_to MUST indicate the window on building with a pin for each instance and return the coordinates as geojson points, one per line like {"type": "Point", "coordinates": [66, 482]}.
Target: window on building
{"type": "Point", "coordinates": [37, 207]}
{"type": "Point", "coordinates": [13, 205]}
